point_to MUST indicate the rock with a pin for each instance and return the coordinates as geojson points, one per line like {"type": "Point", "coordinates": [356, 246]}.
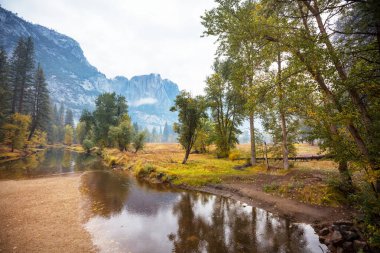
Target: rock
{"type": "Point", "coordinates": [322, 239]}
{"type": "Point", "coordinates": [331, 248]}
{"type": "Point", "coordinates": [336, 237]}
{"type": "Point", "coordinates": [339, 250]}
{"type": "Point", "coordinates": [245, 205]}
{"type": "Point", "coordinates": [358, 245]}
{"type": "Point", "coordinates": [347, 246]}
{"type": "Point", "coordinates": [345, 228]}
{"type": "Point", "coordinates": [335, 227]}
{"type": "Point", "coordinates": [343, 222]}
{"type": "Point", "coordinates": [350, 236]}
{"type": "Point", "coordinates": [324, 231]}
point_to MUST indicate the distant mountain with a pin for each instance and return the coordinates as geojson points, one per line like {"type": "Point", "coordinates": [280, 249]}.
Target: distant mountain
{"type": "Point", "coordinates": [73, 81]}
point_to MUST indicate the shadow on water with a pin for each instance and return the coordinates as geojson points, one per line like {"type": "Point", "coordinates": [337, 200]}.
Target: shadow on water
{"type": "Point", "coordinates": [50, 161]}
{"type": "Point", "coordinates": [125, 215]}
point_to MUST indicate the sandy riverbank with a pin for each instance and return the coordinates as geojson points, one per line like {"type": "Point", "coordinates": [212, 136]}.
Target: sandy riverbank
{"type": "Point", "coordinates": [42, 215]}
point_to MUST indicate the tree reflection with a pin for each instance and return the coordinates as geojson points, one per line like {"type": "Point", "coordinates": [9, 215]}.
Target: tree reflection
{"type": "Point", "coordinates": [105, 193]}
{"type": "Point", "coordinates": [232, 228]}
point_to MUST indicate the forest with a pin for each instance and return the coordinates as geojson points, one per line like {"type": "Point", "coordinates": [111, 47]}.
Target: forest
{"type": "Point", "coordinates": [309, 70]}
{"type": "Point", "coordinates": [297, 72]}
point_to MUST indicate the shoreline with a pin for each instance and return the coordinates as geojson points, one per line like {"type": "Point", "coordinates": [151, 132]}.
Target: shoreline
{"type": "Point", "coordinates": [293, 210]}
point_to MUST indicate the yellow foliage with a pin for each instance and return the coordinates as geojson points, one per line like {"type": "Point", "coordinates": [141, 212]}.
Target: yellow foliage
{"type": "Point", "coordinates": [16, 130]}
{"type": "Point", "coordinates": [68, 140]}
{"type": "Point", "coordinates": [234, 155]}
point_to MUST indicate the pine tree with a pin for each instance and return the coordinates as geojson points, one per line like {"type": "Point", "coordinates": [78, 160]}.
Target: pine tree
{"type": "Point", "coordinates": [39, 103]}
{"type": "Point", "coordinates": [61, 115]}
{"type": "Point", "coordinates": [165, 135]}
{"type": "Point", "coordinates": [4, 83]}
{"type": "Point", "coordinates": [22, 70]}
{"type": "Point", "coordinates": [69, 119]}
{"type": "Point", "coordinates": [4, 90]}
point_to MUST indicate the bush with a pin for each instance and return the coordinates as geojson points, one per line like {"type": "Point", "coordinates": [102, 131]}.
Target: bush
{"type": "Point", "coordinates": [234, 155]}
{"type": "Point", "coordinates": [139, 141]}
{"type": "Point", "coordinates": [271, 187]}
{"type": "Point", "coordinates": [87, 145]}
{"type": "Point", "coordinates": [146, 170]}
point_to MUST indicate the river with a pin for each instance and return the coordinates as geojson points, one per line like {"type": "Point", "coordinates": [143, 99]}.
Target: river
{"type": "Point", "coordinates": [123, 214]}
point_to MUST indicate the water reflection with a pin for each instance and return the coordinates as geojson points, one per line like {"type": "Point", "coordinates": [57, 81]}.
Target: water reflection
{"type": "Point", "coordinates": [49, 161]}
{"type": "Point", "coordinates": [125, 215]}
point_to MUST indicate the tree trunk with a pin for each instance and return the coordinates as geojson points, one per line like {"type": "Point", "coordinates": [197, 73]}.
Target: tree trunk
{"type": "Point", "coordinates": [252, 133]}
{"type": "Point", "coordinates": [285, 151]}
{"type": "Point", "coordinates": [32, 130]}
{"type": "Point", "coordinates": [344, 173]}
{"type": "Point", "coordinates": [266, 156]}
{"type": "Point", "coordinates": [186, 156]}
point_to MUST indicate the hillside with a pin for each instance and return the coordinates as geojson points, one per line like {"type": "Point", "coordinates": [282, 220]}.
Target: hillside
{"type": "Point", "coordinates": [74, 82]}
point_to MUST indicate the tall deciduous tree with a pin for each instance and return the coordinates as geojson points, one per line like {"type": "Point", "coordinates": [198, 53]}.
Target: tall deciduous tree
{"type": "Point", "coordinates": [190, 112]}
{"type": "Point", "coordinates": [227, 107]}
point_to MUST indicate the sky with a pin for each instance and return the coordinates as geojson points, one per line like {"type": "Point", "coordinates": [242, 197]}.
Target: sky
{"type": "Point", "coordinates": [132, 37]}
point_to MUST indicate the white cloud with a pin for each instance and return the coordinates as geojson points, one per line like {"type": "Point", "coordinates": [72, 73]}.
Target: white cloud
{"type": "Point", "coordinates": [144, 101]}
{"type": "Point", "coordinates": [132, 37]}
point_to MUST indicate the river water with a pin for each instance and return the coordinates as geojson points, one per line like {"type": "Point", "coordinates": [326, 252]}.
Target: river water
{"type": "Point", "coordinates": [123, 214]}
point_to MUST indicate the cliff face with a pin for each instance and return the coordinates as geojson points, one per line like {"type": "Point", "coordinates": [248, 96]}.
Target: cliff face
{"type": "Point", "coordinates": [73, 81]}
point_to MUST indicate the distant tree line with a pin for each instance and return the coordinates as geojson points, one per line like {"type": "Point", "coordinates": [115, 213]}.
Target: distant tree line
{"type": "Point", "coordinates": [159, 135]}
{"type": "Point", "coordinates": [109, 125]}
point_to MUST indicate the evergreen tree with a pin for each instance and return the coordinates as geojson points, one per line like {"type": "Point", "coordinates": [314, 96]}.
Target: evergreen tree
{"type": "Point", "coordinates": [154, 135]}
{"type": "Point", "coordinates": [166, 133]}
{"type": "Point", "coordinates": [4, 91]}
{"type": "Point", "coordinates": [40, 103]}
{"type": "Point", "coordinates": [55, 115]}
{"type": "Point", "coordinates": [136, 127]}
{"type": "Point", "coordinates": [69, 119]}
{"type": "Point", "coordinates": [61, 115]}
{"type": "Point", "coordinates": [22, 72]}
{"type": "Point", "coordinates": [110, 110]}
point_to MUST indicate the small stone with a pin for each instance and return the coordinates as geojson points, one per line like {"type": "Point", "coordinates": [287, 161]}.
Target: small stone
{"type": "Point", "coordinates": [344, 228]}
{"type": "Point", "coordinates": [358, 245]}
{"type": "Point", "coordinates": [336, 237]}
{"type": "Point", "coordinates": [339, 250]}
{"type": "Point", "coordinates": [324, 231]}
{"type": "Point", "coordinates": [335, 227]}
{"type": "Point", "coordinates": [343, 222]}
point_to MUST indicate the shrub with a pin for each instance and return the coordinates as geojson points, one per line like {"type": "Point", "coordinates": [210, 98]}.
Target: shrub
{"type": "Point", "coordinates": [146, 170]}
{"type": "Point", "coordinates": [139, 141]}
{"type": "Point", "coordinates": [87, 145]}
{"type": "Point", "coordinates": [234, 155]}
{"type": "Point", "coordinates": [271, 187]}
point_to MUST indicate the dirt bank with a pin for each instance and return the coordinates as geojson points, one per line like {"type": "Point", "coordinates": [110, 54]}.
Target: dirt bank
{"type": "Point", "coordinates": [42, 215]}
{"type": "Point", "coordinates": [291, 209]}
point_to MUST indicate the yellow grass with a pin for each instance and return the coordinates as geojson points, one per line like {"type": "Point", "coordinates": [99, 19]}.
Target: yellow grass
{"type": "Point", "coordinates": [166, 159]}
